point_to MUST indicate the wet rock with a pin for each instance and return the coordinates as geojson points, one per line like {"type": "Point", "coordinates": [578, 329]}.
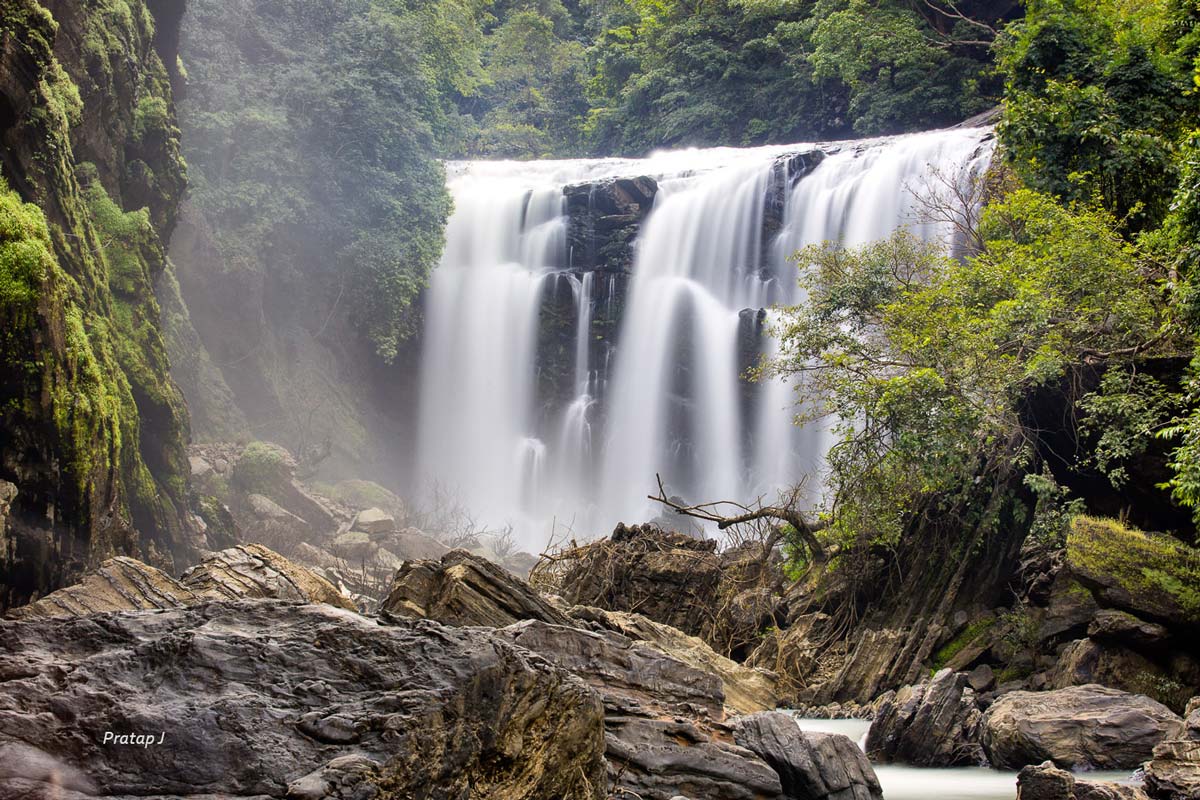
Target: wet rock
{"type": "Point", "coordinates": [934, 724]}
{"type": "Point", "coordinates": [260, 698]}
{"type": "Point", "coordinates": [746, 690]}
{"type": "Point", "coordinates": [252, 570]}
{"type": "Point", "coordinates": [119, 584]}
{"type": "Point", "coordinates": [668, 577]}
{"type": "Point", "coordinates": [1047, 782]}
{"type": "Point", "coordinates": [812, 766]}
{"type": "Point", "coordinates": [374, 521]}
{"type": "Point", "coordinates": [463, 589]}
{"type": "Point", "coordinates": [1078, 727]}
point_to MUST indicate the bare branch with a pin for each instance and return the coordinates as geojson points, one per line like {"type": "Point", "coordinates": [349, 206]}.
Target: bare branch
{"type": "Point", "coordinates": [787, 511]}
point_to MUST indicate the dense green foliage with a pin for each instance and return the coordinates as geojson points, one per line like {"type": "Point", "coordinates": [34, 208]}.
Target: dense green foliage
{"type": "Point", "coordinates": [311, 144]}
{"type": "Point", "coordinates": [628, 76]}
{"type": "Point", "coordinates": [1084, 260]}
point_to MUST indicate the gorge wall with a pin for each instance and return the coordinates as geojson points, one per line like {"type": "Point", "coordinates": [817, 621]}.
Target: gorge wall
{"type": "Point", "coordinates": [92, 428]}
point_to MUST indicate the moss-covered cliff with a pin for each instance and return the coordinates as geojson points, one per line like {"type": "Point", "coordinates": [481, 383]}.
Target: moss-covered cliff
{"type": "Point", "coordinates": [92, 429]}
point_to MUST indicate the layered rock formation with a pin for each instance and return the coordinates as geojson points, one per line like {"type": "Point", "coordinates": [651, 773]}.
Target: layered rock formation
{"type": "Point", "coordinates": [261, 698]}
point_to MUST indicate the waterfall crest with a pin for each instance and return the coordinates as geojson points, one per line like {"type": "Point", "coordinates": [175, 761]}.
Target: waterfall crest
{"type": "Point", "coordinates": [553, 390]}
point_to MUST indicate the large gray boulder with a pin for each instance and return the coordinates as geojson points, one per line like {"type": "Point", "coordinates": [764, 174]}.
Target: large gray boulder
{"type": "Point", "coordinates": [1081, 726]}
{"type": "Point", "coordinates": [464, 589]}
{"type": "Point", "coordinates": [934, 724]}
{"type": "Point", "coordinates": [811, 766]}
{"type": "Point", "coordinates": [663, 731]}
{"type": "Point", "coordinates": [257, 698]}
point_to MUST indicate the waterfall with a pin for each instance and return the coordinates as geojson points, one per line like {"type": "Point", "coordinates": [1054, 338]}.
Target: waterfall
{"type": "Point", "coordinates": [531, 418]}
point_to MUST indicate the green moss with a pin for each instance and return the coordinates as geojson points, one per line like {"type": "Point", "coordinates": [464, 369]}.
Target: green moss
{"type": "Point", "coordinates": [959, 643]}
{"type": "Point", "coordinates": [261, 467]}
{"type": "Point", "coordinates": [1157, 571]}
{"type": "Point", "coordinates": [358, 495]}
{"type": "Point", "coordinates": [25, 254]}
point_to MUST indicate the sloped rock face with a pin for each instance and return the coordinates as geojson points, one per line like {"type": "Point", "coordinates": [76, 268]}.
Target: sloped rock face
{"type": "Point", "coordinates": [934, 724]}
{"type": "Point", "coordinates": [252, 570]}
{"type": "Point", "coordinates": [669, 577]}
{"type": "Point", "coordinates": [245, 571]}
{"type": "Point", "coordinates": [663, 735]}
{"type": "Point", "coordinates": [463, 589]}
{"type": "Point", "coordinates": [811, 766]}
{"type": "Point", "coordinates": [259, 698]}
{"type": "Point", "coordinates": [120, 584]}
{"type": "Point", "coordinates": [1082, 726]}
{"type": "Point", "coordinates": [746, 690]}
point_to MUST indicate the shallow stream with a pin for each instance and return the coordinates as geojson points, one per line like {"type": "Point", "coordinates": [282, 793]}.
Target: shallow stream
{"type": "Point", "coordinates": [901, 782]}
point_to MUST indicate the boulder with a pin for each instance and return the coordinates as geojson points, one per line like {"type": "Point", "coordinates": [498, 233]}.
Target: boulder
{"type": "Point", "coordinates": [266, 522]}
{"type": "Point", "coordinates": [1120, 627]}
{"type": "Point", "coordinates": [251, 570]}
{"type": "Point", "coordinates": [1110, 664]}
{"type": "Point", "coordinates": [1070, 608]}
{"type": "Point", "coordinates": [663, 735]}
{"type": "Point", "coordinates": [374, 521]}
{"type": "Point", "coordinates": [270, 470]}
{"type": "Point", "coordinates": [201, 470]}
{"type": "Point", "coordinates": [463, 589]}
{"type": "Point", "coordinates": [811, 766]}
{"type": "Point", "coordinates": [411, 544]}
{"type": "Point", "coordinates": [119, 584]}
{"type": "Point", "coordinates": [1148, 574]}
{"type": "Point", "coordinates": [1047, 782]}
{"type": "Point", "coordinates": [746, 690]}
{"type": "Point", "coordinates": [257, 698]}
{"type": "Point", "coordinates": [353, 547]}
{"type": "Point", "coordinates": [981, 678]}
{"type": "Point", "coordinates": [1079, 727]}
{"type": "Point", "coordinates": [934, 724]}
{"type": "Point", "coordinates": [668, 577]}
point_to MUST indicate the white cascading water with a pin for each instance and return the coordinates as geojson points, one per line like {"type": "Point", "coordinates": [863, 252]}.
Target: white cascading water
{"type": "Point", "coordinates": [672, 401]}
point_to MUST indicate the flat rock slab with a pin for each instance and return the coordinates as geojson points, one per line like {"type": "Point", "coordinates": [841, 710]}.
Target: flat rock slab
{"type": "Point", "coordinates": [264, 698]}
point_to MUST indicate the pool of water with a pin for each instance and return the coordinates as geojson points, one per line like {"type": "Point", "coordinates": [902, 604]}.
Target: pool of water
{"type": "Point", "coordinates": [901, 782]}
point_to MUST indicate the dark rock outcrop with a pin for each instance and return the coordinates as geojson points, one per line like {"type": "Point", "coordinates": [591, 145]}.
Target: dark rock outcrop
{"type": "Point", "coordinates": [934, 724]}
{"type": "Point", "coordinates": [1047, 782]}
{"type": "Point", "coordinates": [1082, 726]}
{"type": "Point", "coordinates": [604, 218]}
{"type": "Point", "coordinates": [261, 698]}
{"type": "Point", "coordinates": [663, 731]}
{"type": "Point", "coordinates": [464, 589]}
{"type": "Point", "coordinates": [811, 766]}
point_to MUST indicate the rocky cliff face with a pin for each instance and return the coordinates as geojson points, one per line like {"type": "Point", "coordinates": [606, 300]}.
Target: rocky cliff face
{"type": "Point", "coordinates": [92, 429]}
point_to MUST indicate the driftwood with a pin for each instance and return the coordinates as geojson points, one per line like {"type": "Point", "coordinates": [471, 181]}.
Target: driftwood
{"type": "Point", "coordinates": [787, 511]}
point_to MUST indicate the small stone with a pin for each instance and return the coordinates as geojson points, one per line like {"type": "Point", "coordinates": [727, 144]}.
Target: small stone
{"type": "Point", "coordinates": [981, 678]}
